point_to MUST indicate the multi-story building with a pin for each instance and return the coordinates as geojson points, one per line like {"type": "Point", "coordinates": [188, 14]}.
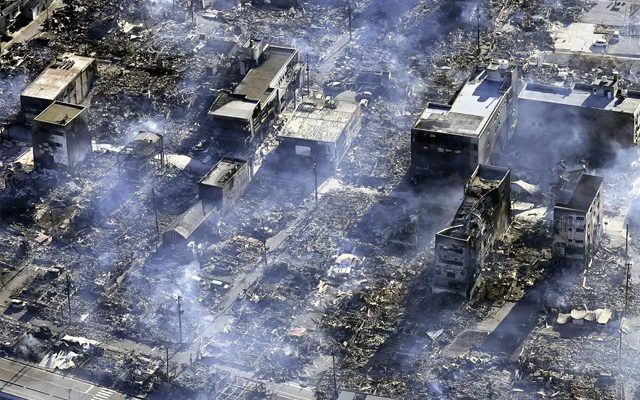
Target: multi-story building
{"type": "Point", "coordinates": [583, 119]}
{"type": "Point", "coordinates": [271, 76]}
{"type": "Point", "coordinates": [320, 131]}
{"type": "Point", "coordinates": [68, 79]}
{"type": "Point", "coordinates": [578, 223]}
{"type": "Point", "coordinates": [456, 137]}
{"type": "Point", "coordinates": [225, 183]}
{"type": "Point", "coordinates": [483, 216]}
{"type": "Point", "coordinates": [60, 136]}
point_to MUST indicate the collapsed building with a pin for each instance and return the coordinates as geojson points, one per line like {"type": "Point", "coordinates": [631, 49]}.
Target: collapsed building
{"type": "Point", "coordinates": [578, 223]}
{"type": "Point", "coordinates": [138, 159]}
{"type": "Point", "coordinates": [483, 217]}
{"type": "Point", "coordinates": [60, 136]}
{"type": "Point", "coordinates": [218, 190]}
{"type": "Point", "coordinates": [68, 79]}
{"type": "Point", "coordinates": [272, 74]}
{"type": "Point", "coordinates": [593, 119]}
{"type": "Point", "coordinates": [321, 131]}
{"type": "Point", "coordinates": [479, 120]}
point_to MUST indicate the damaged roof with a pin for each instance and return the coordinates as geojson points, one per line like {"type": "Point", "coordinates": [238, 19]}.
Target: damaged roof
{"type": "Point", "coordinates": [59, 113]}
{"type": "Point", "coordinates": [189, 221]}
{"type": "Point", "coordinates": [53, 80]}
{"type": "Point", "coordinates": [584, 193]}
{"type": "Point", "coordinates": [320, 121]}
{"type": "Point", "coordinates": [259, 83]}
{"type": "Point", "coordinates": [222, 172]}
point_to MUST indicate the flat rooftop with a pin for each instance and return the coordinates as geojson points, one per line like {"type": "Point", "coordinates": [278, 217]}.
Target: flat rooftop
{"type": "Point", "coordinates": [584, 193]}
{"type": "Point", "coordinates": [613, 13]}
{"type": "Point", "coordinates": [320, 121]}
{"type": "Point", "coordinates": [256, 85]}
{"type": "Point", "coordinates": [58, 75]}
{"type": "Point", "coordinates": [145, 145]}
{"type": "Point", "coordinates": [59, 113]}
{"type": "Point", "coordinates": [468, 114]}
{"type": "Point", "coordinates": [579, 96]}
{"type": "Point", "coordinates": [222, 172]}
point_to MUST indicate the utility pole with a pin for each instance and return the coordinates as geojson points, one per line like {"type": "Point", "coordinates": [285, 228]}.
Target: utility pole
{"type": "Point", "coordinates": [155, 211]}
{"type": "Point", "coordinates": [626, 242]}
{"type": "Point", "coordinates": [69, 294]}
{"type": "Point", "coordinates": [193, 18]}
{"type": "Point", "coordinates": [350, 30]}
{"type": "Point", "coordinates": [308, 81]}
{"type": "Point", "coordinates": [335, 379]}
{"type": "Point", "coordinates": [179, 300]}
{"type": "Point", "coordinates": [478, 29]}
{"type": "Point", "coordinates": [315, 175]}
{"type": "Point", "coordinates": [624, 314]}
{"type": "Point", "coordinates": [167, 348]}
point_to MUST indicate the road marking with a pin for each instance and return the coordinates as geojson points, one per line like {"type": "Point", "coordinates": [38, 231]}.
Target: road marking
{"type": "Point", "coordinates": [103, 394]}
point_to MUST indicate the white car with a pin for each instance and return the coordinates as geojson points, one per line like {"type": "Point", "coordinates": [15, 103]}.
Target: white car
{"type": "Point", "coordinates": [600, 43]}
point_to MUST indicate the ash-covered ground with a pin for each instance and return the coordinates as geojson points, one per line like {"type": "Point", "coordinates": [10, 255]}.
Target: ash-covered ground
{"type": "Point", "coordinates": [250, 309]}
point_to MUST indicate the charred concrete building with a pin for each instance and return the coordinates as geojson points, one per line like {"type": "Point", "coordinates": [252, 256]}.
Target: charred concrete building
{"type": "Point", "coordinates": [321, 131]}
{"type": "Point", "coordinates": [225, 183]}
{"type": "Point", "coordinates": [137, 160]}
{"type": "Point", "coordinates": [578, 223]}
{"type": "Point", "coordinates": [61, 137]}
{"type": "Point", "coordinates": [68, 79]}
{"type": "Point", "coordinates": [455, 137]}
{"type": "Point", "coordinates": [483, 216]}
{"type": "Point", "coordinates": [218, 190]}
{"type": "Point", "coordinates": [584, 119]}
{"type": "Point", "coordinates": [271, 76]}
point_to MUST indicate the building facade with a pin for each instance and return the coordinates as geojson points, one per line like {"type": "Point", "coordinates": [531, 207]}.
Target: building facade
{"type": "Point", "coordinates": [271, 76]}
{"type": "Point", "coordinates": [321, 132]}
{"type": "Point", "coordinates": [68, 79]}
{"type": "Point", "coordinates": [60, 136]}
{"type": "Point", "coordinates": [578, 223]}
{"type": "Point", "coordinates": [583, 119]}
{"type": "Point", "coordinates": [483, 216]}
{"type": "Point", "coordinates": [225, 183]}
{"type": "Point", "coordinates": [454, 138]}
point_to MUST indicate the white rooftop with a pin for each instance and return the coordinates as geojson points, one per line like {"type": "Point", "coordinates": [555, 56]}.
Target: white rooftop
{"type": "Point", "coordinates": [578, 97]}
{"type": "Point", "coordinates": [470, 111]}
{"type": "Point", "coordinates": [53, 80]}
{"type": "Point", "coordinates": [235, 109]}
{"type": "Point", "coordinates": [319, 122]}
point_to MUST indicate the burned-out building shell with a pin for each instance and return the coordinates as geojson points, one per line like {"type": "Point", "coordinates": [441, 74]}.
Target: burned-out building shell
{"type": "Point", "coordinates": [271, 76]}
{"type": "Point", "coordinates": [483, 216]}
{"type": "Point", "coordinates": [61, 136]}
{"type": "Point", "coordinates": [578, 223]}
{"type": "Point", "coordinates": [138, 158]}
{"type": "Point", "coordinates": [321, 131]}
{"type": "Point", "coordinates": [225, 183]}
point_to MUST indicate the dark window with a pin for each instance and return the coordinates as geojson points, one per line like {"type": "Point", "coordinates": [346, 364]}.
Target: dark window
{"type": "Point", "coordinates": [451, 275]}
